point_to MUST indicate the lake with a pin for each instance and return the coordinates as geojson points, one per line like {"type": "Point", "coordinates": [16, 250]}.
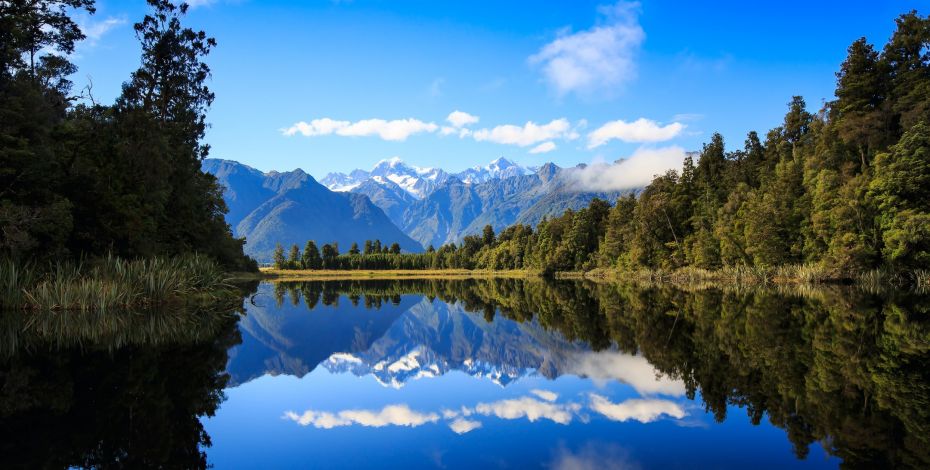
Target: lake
{"type": "Point", "coordinates": [489, 373]}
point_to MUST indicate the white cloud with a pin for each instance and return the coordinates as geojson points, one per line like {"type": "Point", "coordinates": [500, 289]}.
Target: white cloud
{"type": "Point", "coordinates": [529, 134]}
{"type": "Point", "coordinates": [530, 408]}
{"type": "Point", "coordinates": [461, 119]}
{"type": "Point", "coordinates": [644, 410]}
{"type": "Point", "coordinates": [199, 3]}
{"type": "Point", "coordinates": [544, 147]}
{"type": "Point", "coordinates": [545, 394]}
{"type": "Point", "coordinates": [633, 370]}
{"type": "Point", "coordinates": [598, 58]}
{"type": "Point", "coordinates": [634, 172]}
{"type": "Point", "coordinates": [391, 415]}
{"type": "Point", "coordinates": [462, 425]}
{"type": "Point", "coordinates": [640, 130]}
{"type": "Point", "coordinates": [396, 130]}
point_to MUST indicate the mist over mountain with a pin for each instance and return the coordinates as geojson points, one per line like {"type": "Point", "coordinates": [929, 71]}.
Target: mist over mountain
{"type": "Point", "coordinates": [292, 207]}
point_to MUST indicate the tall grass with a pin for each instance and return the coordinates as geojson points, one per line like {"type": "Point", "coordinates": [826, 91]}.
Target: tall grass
{"type": "Point", "coordinates": [108, 283]}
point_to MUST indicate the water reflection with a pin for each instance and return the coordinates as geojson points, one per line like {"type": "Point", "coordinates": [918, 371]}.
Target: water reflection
{"type": "Point", "coordinates": [121, 390]}
{"type": "Point", "coordinates": [468, 373]}
{"type": "Point", "coordinates": [840, 369]}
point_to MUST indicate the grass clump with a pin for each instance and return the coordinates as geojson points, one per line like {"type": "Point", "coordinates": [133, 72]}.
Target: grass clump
{"type": "Point", "coordinates": [109, 283]}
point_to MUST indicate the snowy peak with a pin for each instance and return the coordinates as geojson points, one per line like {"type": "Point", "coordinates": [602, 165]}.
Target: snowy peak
{"type": "Point", "coordinates": [501, 168]}
{"type": "Point", "coordinates": [420, 182]}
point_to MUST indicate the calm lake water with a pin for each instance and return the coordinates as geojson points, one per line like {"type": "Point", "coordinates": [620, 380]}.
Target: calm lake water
{"type": "Point", "coordinates": [476, 374]}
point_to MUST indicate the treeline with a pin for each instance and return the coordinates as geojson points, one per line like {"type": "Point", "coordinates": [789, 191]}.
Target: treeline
{"type": "Point", "coordinates": [80, 178]}
{"type": "Point", "coordinates": [844, 190]}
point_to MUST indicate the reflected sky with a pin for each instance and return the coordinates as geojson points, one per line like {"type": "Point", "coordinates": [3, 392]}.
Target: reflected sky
{"type": "Point", "coordinates": [423, 383]}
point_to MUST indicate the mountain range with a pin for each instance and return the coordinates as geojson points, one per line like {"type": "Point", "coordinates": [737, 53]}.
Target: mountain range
{"type": "Point", "coordinates": [394, 202]}
{"type": "Point", "coordinates": [292, 207]}
{"type": "Point", "coordinates": [435, 207]}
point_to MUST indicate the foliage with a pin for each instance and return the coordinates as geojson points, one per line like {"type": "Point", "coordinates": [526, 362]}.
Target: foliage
{"type": "Point", "coordinates": [81, 178]}
{"type": "Point", "coordinates": [110, 283]}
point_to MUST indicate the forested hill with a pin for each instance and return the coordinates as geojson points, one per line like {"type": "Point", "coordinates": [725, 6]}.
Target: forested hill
{"type": "Point", "coordinates": [842, 191]}
{"type": "Point", "coordinates": [80, 178]}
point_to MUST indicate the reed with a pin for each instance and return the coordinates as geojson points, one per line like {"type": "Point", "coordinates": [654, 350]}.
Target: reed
{"type": "Point", "coordinates": [109, 283]}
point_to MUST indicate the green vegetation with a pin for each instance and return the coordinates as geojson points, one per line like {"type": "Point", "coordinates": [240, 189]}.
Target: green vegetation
{"type": "Point", "coordinates": [80, 179]}
{"type": "Point", "coordinates": [111, 283]}
{"type": "Point", "coordinates": [835, 195]}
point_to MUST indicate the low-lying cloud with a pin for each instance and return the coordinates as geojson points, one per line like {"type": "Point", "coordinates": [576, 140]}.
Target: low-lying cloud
{"type": "Point", "coordinates": [633, 172]}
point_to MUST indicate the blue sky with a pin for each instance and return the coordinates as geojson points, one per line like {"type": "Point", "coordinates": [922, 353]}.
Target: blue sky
{"type": "Point", "coordinates": [354, 82]}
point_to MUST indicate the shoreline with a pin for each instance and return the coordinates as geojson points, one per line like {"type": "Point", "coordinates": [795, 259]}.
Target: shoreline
{"type": "Point", "coordinates": [782, 276]}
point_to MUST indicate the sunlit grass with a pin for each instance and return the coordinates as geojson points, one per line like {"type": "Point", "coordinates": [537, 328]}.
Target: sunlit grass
{"type": "Point", "coordinates": [108, 283]}
{"type": "Point", "coordinates": [311, 274]}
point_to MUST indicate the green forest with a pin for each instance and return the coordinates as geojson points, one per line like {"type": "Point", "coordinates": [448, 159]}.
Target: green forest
{"type": "Point", "coordinates": [81, 179]}
{"type": "Point", "coordinates": [839, 192]}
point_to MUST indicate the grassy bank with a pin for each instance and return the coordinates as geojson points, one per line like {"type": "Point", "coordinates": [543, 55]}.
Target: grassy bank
{"type": "Point", "coordinates": [780, 275]}
{"type": "Point", "coordinates": [110, 283]}
{"type": "Point", "coordinates": [316, 274]}
{"type": "Point", "coordinates": [808, 275]}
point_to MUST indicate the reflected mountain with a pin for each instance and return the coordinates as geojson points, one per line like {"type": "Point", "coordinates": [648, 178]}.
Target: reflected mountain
{"type": "Point", "coordinates": [293, 335]}
{"type": "Point", "coordinates": [435, 337]}
{"type": "Point", "coordinates": [408, 337]}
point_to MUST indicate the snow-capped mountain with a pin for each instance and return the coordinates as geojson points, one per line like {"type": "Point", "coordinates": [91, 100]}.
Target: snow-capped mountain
{"type": "Point", "coordinates": [500, 168]}
{"type": "Point", "coordinates": [420, 182]}
{"type": "Point", "coordinates": [416, 181]}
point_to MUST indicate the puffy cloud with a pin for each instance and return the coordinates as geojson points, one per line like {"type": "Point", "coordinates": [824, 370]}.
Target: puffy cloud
{"type": "Point", "coordinates": [633, 370]}
{"type": "Point", "coordinates": [644, 410]}
{"type": "Point", "coordinates": [462, 425]}
{"type": "Point", "coordinates": [395, 130]}
{"type": "Point", "coordinates": [634, 172]}
{"type": "Point", "coordinates": [640, 130]}
{"type": "Point", "coordinates": [391, 415]}
{"type": "Point", "coordinates": [530, 408]}
{"type": "Point", "coordinates": [544, 147]}
{"type": "Point", "coordinates": [461, 119]}
{"type": "Point", "coordinates": [545, 394]}
{"type": "Point", "coordinates": [600, 57]}
{"type": "Point", "coordinates": [529, 134]}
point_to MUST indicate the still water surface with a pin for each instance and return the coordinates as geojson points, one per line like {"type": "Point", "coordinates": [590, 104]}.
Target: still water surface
{"type": "Point", "coordinates": [483, 374]}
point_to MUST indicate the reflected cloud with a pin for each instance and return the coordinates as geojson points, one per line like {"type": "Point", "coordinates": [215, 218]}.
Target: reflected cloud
{"type": "Point", "coordinates": [545, 394]}
{"type": "Point", "coordinates": [391, 415]}
{"type": "Point", "coordinates": [642, 410]}
{"type": "Point", "coordinates": [633, 370]}
{"type": "Point", "coordinates": [529, 408]}
{"type": "Point", "coordinates": [594, 457]}
{"type": "Point", "coordinates": [463, 425]}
